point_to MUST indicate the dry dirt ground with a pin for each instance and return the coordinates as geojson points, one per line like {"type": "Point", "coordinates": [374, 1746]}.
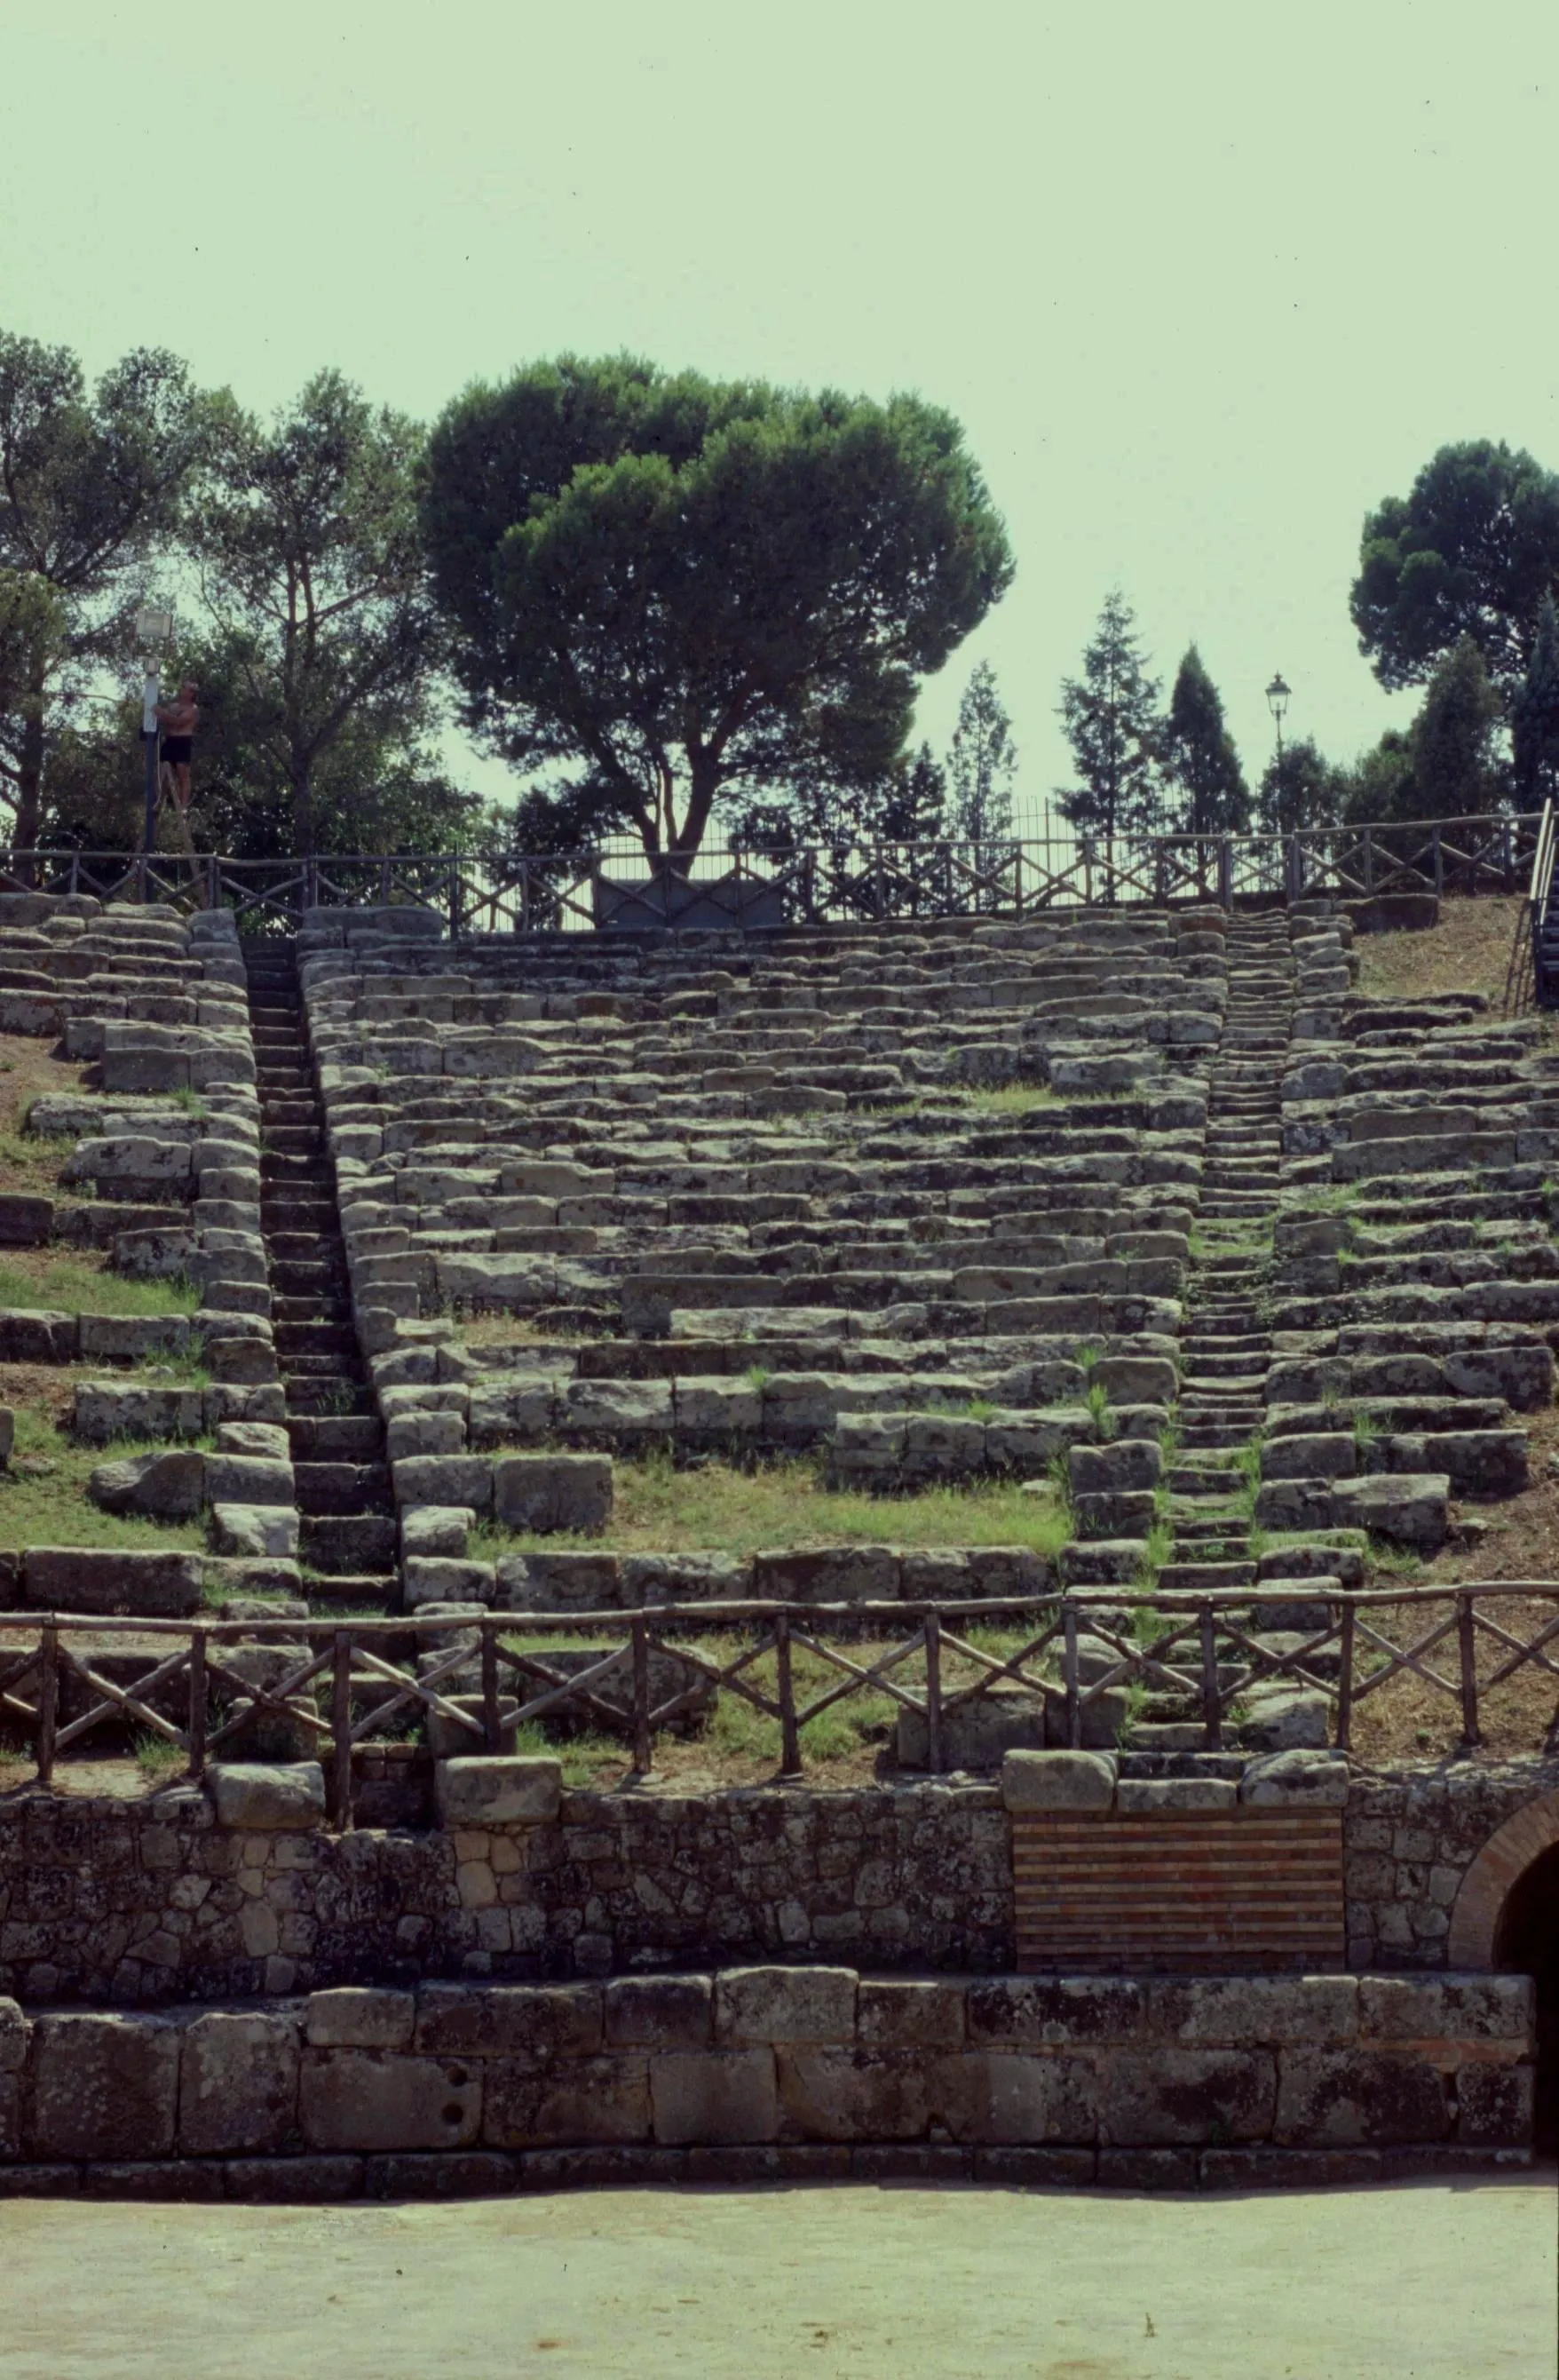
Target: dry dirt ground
{"type": "Point", "coordinates": [1420, 2281]}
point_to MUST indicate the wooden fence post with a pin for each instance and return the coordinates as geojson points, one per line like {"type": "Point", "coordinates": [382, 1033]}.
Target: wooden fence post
{"type": "Point", "coordinates": [1069, 1673]}
{"type": "Point", "coordinates": [1212, 1708]}
{"type": "Point", "coordinates": [492, 1716]}
{"type": "Point", "coordinates": [341, 1730]}
{"type": "Point", "coordinates": [1467, 1644]}
{"type": "Point", "coordinates": [198, 1705]}
{"type": "Point", "coordinates": [48, 1700]}
{"type": "Point", "coordinates": [1345, 1678]}
{"type": "Point", "coordinates": [1439, 860]}
{"type": "Point", "coordinates": [790, 1734]}
{"type": "Point", "coordinates": [644, 1750]}
{"type": "Point", "coordinates": [934, 1693]}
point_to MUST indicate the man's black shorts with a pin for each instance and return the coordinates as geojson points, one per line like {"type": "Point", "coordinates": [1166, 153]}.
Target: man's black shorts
{"type": "Point", "coordinates": [176, 748]}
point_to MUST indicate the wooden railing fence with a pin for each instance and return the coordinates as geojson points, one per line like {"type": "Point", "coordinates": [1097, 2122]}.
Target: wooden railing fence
{"type": "Point", "coordinates": [838, 882]}
{"type": "Point", "coordinates": [345, 1689]}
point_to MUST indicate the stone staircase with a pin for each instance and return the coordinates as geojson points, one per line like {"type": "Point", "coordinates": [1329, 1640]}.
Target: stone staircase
{"type": "Point", "coordinates": [348, 1546]}
{"type": "Point", "coordinates": [1225, 1347]}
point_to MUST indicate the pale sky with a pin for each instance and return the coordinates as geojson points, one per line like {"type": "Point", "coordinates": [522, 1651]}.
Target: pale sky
{"type": "Point", "coordinates": [1202, 283]}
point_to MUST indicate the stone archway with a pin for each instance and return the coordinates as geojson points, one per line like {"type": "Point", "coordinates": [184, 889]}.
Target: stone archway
{"type": "Point", "coordinates": [1486, 1887]}
{"type": "Point", "coordinates": [1508, 1915]}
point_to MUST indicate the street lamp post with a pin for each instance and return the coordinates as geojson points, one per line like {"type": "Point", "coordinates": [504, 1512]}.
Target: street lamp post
{"type": "Point", "coordinates": [154, 629]}
{"type": "Point", "coordinates": [1277, 703]}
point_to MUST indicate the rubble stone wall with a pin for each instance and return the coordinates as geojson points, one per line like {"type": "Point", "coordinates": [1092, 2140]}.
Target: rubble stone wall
{"type": "Point", "coordinates": [126, 1903]}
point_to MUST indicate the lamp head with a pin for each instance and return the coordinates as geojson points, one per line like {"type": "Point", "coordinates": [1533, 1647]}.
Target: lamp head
{"type": "Point", "coordinates": [1277, 699]}
{"type": "Point", "coordinates": [154, 627]}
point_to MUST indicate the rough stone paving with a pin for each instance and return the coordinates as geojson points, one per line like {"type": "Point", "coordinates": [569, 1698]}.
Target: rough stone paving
{"type": "Point", "coordinates": [1261, 1270]}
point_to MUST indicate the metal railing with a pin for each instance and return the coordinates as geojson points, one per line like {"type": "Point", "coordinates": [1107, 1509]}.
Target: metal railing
{"type": "Point", "coordinates": [831, 883]}
{"type": "Point", "coordinates": [1538, 895]}
{"type": "Point", "coordinates": [794, 1662]}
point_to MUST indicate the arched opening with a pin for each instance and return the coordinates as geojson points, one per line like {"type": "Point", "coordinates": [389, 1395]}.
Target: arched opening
{"type": "Point", "coordinates": [1526, 1943]}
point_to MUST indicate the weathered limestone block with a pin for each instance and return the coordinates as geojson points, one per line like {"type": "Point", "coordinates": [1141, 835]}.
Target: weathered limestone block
{"type": "Point", "coordinates": [539, 2023]}
{"type": "Point", "coordinates": [447, 1479]}
{"type": "Point", "coordinates": [109, 1409]}
{"type": "Point", "coordinates": [1295, 1779]}
{"type": "Point", "coordinates": [754, 2004]}
{"type": "Point", "coordinates": [492, 1790]}
{"type": "Point", "coordinates": [1345, 2097]}
{"type": "Point", "coordinates": [714, 2098]}
{"type": "Point", "coordinates": [852, 2094]}
{"type": "Point", "coordinates": [355, 2016]}
{"type": "Point", "coordinates": [1058, 1780]}
{"type": "Point", "coordinates": [1012, 2098]}
{"type": "Point", "coordinates": [1163, 2097]}
{"type": "Point", "coordinates": [659, 2012]}
{"type": "Point", "coordinates": [30, 1335]}
{"type": "Point", "coordinates": [68, 1578]}
{"type": "Point", "coordinates": [256, 1531]}
{"type": "Point", "coordinates": [1155, 1796]}
{"type": "Point", "coordinates": [1446, 2007]}
{"type": "Point", "coordinates": [578, 2102]}
{"type": "Point", "coordinates": [1241, 2010]}
{"type": "Point", "coordinates": [238, 2083]}
{"type": "Point", "coordinates": [232, 1479]}
{"type": "Point", "coordinates": [167, 1486]}
{"type": "Point", "coordinates": [550, 1492]}
{"type": "Point", "coordinates": [275, 1796]}
{"type": "Point", "coordinates": [103, 2086]}
{"type": "Point", "coordinates": [1409, 1509]}
{"type": "Point", "coordinates": [369, 2099]}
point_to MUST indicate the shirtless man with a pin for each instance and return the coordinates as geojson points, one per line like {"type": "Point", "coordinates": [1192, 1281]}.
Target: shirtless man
{"type": "Point", "coordinates": [178, 719]}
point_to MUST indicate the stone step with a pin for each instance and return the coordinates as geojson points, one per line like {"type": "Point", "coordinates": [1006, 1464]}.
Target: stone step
{"type": "Point", "coordinates": [348, 1546]}
{"type": "Point", "coordinates": [352, 1590]}
{"type": "Point", "coordinates": [336, 1437]}
{"type": "Point", "coordinates": [342, 1488]}
{"type": "Point", "coordinates": [299, 1339]}
{"type": "Point", "coordinates": [326, 1396]}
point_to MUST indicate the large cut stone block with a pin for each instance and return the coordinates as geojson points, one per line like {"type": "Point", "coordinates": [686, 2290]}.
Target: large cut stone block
{"type": "Point", "coordinates": [1165, 2098]}
{"type": "Point", "coordinates": [103, 2086]}
{"type": "Point", "coordinates": [1007, 2097]}
{"type": "Point", "coordinates": [1058, 1780]}
{"type": "Point", "coordinates": [854, 2095]}
{"type": "Point", "coordinates": [552, 1491]}
{"type": "Point", "coordinates": [368, 2100]}
{"type": "Point", "coordinates": [1242, 2011]}
{"type": "Point", "coordinates": [150, 1585]}
{"type": "Point", "coordinates": [356, 2016]}
{"type": "Point", "coordinates": [496, 1789]}
{"type": "Point", "coordinates": [765, 2004]}
{"type": "Point", "coordinates": [536, 2021]}
{"type": "Point", "coordinates": [659, 2012]}
{"type": "Point", "coordinates": [585, 2100]}
{"type": "Point", "coordinates": [238, 2088]}
{"type": "Point", "coordinates": [1343, 2098]}
{"type": "Point", "coordinates": [714, 2098]}
{"type": "Point", "coordinates": [280, 1797]}
{"type": "Point", "coordinates": [1447, 2008]}
{"type": "Point", "coordinates": [170, 1486]}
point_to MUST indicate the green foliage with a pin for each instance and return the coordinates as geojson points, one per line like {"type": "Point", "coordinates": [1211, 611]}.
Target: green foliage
{"type": "Point", "coordinates": [323, 626]}
{"type": "Point", "coordinates": [1106, 1420]}
{"type": "Point", "coordinates": [1199, 760]}
{"type": "Point", "coordinates": [1471, 552]}
{"type": "Point", "coordinates": [686, 592]}
{"type": "Point", "coordinates": [1111, 723]}
{"type": "Point", "coordinates": [90, 485]}
{"type": "Point", "coordinates": [1305, 791]}
{"type": "Point", "coordinates": [1534, 714]}
{"type": "Point", "coordinates": [1454, 773]}
{"type": "Point", "coordinates": [981, 761]}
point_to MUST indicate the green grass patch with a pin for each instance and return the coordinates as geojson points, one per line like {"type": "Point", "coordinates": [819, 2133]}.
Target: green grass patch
{"type": "Point", "coordinates": [1012, 1099]}
{"type": "Point", "coordinates": [44, 1499]}
{"type": "Point", "coordinates": [73, 1284]}
{"type": "Point", "coordinates": [718, 1508]}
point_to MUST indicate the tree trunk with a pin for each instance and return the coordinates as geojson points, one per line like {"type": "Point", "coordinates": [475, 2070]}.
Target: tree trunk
{"type": "Point", "coordinates": [704, 778]}
{"type": "Point", "coordinates": [303, 809]}
{"type": "Point", "coordinates": [29, 772]}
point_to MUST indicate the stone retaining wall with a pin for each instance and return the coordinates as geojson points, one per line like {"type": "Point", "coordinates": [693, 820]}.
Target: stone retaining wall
{"type": "Point", "coordinates": [1067, 2080]}
{"type": "Point", "coordinates": [128, 1903]}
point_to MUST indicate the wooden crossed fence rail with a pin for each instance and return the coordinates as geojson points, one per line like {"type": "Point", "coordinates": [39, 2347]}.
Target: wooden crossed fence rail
{"type": "Point", "coordinates": [1204, 1648]}
{"type": "Point", "coordinates": [823, 883]}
